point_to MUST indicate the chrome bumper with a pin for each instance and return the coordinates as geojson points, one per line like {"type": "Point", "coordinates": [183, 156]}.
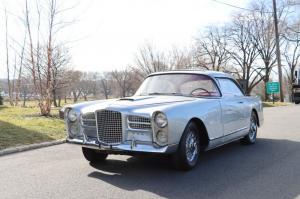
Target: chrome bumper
{"type": "Point", "coordinates": [126, 147]}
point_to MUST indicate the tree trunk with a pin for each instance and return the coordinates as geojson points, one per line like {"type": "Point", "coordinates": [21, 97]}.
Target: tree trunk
{"type": "Point", "coordinates": [59, 100]}
{"type": "Point", "coordinates": [74, 97]}
{"type": "Point", "coordinates": [266, 80]}
{"type": "Point", "coordinates": [54, 98]}
{"type": "Point", "coordinates": [45, 107]}
{"type": "Point", "coordinates": [24, 100]}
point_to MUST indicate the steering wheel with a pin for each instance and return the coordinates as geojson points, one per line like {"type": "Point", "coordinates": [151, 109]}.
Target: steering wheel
{"type": "Point", "coordinates": [203, 89]}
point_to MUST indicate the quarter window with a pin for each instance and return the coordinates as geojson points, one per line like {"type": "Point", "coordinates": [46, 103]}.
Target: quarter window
{"type": "Point", "coordinates": [228, 87]}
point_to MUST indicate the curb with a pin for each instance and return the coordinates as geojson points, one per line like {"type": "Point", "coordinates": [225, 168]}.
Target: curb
{"type": "Point", "coordinates": [29, 147]}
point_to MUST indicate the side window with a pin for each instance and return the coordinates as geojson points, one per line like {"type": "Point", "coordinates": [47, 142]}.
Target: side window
{"type": "Point", "coordinates": [228, 87]}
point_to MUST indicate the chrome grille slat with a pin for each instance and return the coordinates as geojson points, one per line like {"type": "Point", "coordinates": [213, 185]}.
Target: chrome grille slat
{"type": "Point", "coordinates": [89, 123]}
{"type": "Point", "coordinates": [139, 122]}
{"type": "Point", "coordinates": [134, 118]}
{"type": "Point", "coordinates": [109, 125]}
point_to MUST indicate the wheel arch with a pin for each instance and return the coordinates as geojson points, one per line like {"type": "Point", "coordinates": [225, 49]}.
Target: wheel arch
{"type": "Point", "coordinates": [255, 112]}
{"type": "Point", "coordinates": [204, 139]}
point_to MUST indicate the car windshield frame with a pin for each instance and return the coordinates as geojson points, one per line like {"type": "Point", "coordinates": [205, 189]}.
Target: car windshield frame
{"type": "Point", "coordinates": [214, 82]}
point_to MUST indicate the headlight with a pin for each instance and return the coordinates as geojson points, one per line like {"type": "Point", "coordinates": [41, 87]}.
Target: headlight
{"type": "Point", "coordinates": [74, 130]}
{"type": "Point", "coordinates": [72, 116]}
{"type": "Point", "coordinates": [160, 120]}
{"type": "Point", "coordinates": [162, 137]}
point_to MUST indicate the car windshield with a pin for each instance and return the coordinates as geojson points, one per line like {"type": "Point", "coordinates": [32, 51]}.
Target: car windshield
{"type": "Point", "coordinates": [196, 85]}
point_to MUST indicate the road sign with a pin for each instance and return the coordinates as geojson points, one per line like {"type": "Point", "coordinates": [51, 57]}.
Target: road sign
{"type": "Point", "coordinates": [272, 87]}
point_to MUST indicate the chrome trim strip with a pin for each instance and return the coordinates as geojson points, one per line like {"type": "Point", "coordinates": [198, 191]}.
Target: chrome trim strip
{"type": "Point", "coordinates": [233, 132]}
{"type": "Point", "coordinates": [146, 123]}
{"type": "Point", "coordinates": [139, 130]}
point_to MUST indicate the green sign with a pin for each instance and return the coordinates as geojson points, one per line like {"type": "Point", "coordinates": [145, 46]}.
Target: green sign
{"type": "Point", "coordinates": [272, 87]}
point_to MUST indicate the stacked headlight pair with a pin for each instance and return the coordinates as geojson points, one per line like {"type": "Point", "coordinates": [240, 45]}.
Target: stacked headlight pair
{"type": "Point", "coordinates": [161, 122]}
{"type": "Point", "coordinates": [72, 123]}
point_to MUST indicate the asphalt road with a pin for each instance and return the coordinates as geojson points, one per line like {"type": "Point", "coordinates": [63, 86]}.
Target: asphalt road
{"type": "Point", "coordinates": [268, 169]}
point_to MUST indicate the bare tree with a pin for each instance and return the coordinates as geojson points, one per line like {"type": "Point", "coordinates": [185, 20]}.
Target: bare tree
{"type": "Point", "coordinates": [20, 71]}
{"type": "Point", "coordinates": [149, 60]}
{"type": "Point", "coordinates": [243, 51]}
{"type": "Point", "coordinates": [181, 58]}
{"type": "Point", "coordinates": [60, 61]}
{"type": "Point", "coordinates": [74, 78]}
{"type": "Point", "coordinates": [263, 34]}
{"type": "Point", "coordinates": [10, 90]}
{"type": "Point", "coordinates": [88, 85]}
{"type": "Point", "coordinates": [26, 89]}
{"type": "Point", "coordinates": [105, 84]}
{"type": "Point", "coordinates": [124, 81]}
{"type": "Point", "coordinates": [44, 58]}
{"type": "Point", "coordinates": [211, 49]}
{"type": "Point", "coordinates": [292, 53]}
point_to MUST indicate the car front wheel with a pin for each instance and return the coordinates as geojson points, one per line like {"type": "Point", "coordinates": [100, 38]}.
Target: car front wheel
{"type": "Point", "coordinates": [250, 138]}
{"type": "Point", "coordinates": [187, 154]}
{"type": "Point", "coordinates": [92, 155]}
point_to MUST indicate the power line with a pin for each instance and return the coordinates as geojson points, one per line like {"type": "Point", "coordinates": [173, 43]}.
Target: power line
{"type": "Point", "coordinates": [238, 7]}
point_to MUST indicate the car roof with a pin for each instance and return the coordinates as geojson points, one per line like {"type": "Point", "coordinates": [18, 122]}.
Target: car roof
{"type": "Point", "coordinates": [214, 74]}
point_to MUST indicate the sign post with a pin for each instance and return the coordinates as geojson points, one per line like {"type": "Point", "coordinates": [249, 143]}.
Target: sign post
{"type": "Point", "coordinates": [272, 87]}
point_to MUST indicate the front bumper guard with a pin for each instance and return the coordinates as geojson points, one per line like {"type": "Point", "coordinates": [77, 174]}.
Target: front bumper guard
{"type": "Point", "coordinates": [126, 146]}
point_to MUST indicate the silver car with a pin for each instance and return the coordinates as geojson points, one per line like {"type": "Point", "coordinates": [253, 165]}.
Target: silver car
{"type": "Point", "coordinates": [178, 113]}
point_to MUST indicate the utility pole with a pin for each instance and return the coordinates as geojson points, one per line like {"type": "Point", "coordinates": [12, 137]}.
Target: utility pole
{"type": "Point", "coordinates": [278, 50]}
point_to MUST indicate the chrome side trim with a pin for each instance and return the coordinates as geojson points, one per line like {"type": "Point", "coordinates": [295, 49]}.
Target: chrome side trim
{"type": "Point", "coordinates": [233, 132]}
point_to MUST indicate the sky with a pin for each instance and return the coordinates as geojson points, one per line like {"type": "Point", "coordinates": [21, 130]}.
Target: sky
{"type": "Point", "coordinates": [108, 33]}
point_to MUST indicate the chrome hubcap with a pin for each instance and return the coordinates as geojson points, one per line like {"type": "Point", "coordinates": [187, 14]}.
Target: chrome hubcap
{"type": "Point", "coordinates": [253, 129]}
{"type": "Point", "coordinates": [191, 146]}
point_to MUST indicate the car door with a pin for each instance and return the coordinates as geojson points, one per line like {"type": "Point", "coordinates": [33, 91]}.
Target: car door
{"type": "Point", "coordinates": [233, 104]}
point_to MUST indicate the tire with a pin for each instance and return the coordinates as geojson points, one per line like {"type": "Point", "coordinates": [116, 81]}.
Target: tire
{"type": "Point", "coordinates": [187, 154]}
{"type": "Point", "coordinates": [92, 155]}
{"type": "Point", "coordinates": [297, 102]}
{"type": "Point", "coordinates": [250, 138]}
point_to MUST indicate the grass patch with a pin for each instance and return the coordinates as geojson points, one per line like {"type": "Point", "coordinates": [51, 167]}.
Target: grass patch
{"type": "Point", "coordinates": [270, 104]}
{"type": "Point", "coordinates": [22, 126]}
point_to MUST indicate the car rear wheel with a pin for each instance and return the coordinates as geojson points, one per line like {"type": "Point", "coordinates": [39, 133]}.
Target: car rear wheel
{"type": "Point", "coordinates": [92, 155]}
{"type": "Point", "coordinates": [250, 138]}
{"type": "Point", "coordinates": [187, 154]}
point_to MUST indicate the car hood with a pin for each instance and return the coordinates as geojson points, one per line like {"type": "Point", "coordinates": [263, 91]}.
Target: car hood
{"type": "Point", "coordinates": [137, 102]}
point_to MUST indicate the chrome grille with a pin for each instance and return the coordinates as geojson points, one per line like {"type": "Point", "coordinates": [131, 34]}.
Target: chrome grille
{"type": "Point", "coordinates": [139, 122]}
{"type": "Point", "coordinates": [89, 125]}
{"type": "Point", "coordinates": [109, 126]}
{"type": "Point", "coordinates": [89, 120]}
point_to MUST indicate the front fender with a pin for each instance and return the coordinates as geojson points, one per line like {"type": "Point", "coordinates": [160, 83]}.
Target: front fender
{"type": "Point", "coordinates": [209, 112]}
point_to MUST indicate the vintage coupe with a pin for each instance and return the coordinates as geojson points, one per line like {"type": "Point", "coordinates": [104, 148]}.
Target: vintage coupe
{"type": "Point", "coordinates": [178, 113]}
